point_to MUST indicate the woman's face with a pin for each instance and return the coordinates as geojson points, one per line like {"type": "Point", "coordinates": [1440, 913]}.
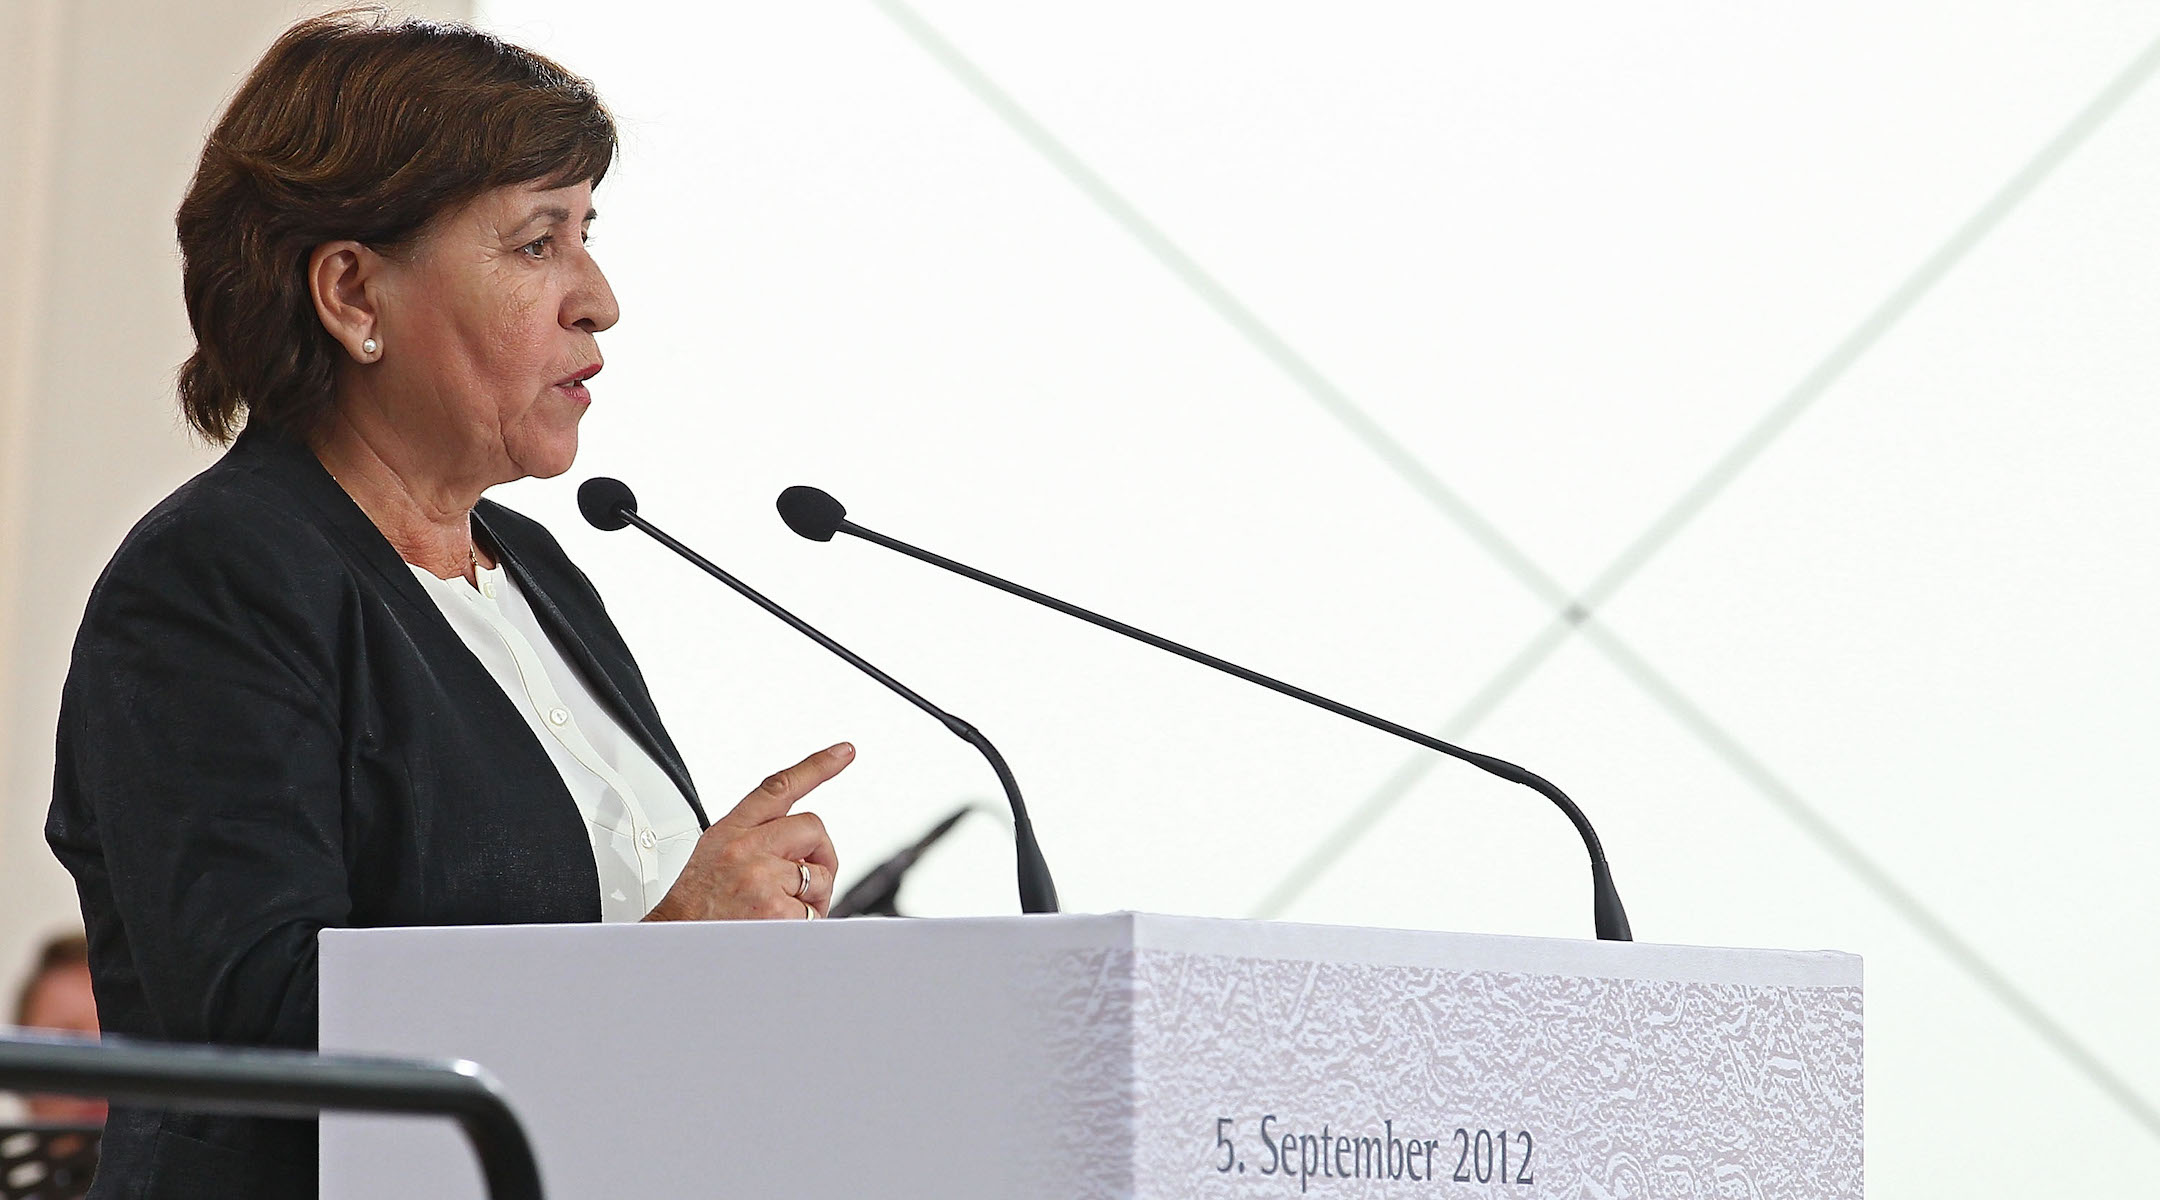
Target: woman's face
{"type": "Point", "coordinates": [487, 327]}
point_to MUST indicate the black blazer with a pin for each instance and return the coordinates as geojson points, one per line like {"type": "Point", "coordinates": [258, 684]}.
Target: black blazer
{"type": "Point", "coordinates": [269, 729]}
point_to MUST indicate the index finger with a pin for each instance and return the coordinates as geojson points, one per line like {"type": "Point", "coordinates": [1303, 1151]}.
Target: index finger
{"type": "Point", "coordinates": [774, 797]}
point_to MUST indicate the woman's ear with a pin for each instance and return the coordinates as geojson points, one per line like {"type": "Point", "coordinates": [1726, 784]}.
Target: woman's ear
{"type": "Point", "coordinates": [339, 275]}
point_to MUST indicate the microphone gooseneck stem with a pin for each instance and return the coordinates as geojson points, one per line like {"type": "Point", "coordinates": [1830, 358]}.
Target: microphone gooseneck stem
{"type": "Point", "coordinates": [1037, 893]}
{"type": "Point", "coordinates": [1611, 916]}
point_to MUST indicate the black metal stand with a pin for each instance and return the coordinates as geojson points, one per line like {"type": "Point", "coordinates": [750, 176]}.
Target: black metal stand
{"type": "Point", "coordinates": [285, 1083]}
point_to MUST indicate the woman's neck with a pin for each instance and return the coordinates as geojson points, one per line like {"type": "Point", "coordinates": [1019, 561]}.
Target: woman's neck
{"type": "Point", "coordinates": [424, 513]}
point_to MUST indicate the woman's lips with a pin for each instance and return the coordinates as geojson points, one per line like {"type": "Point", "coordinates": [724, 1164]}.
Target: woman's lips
{"type": "Point", "coordinates": [573, 384]}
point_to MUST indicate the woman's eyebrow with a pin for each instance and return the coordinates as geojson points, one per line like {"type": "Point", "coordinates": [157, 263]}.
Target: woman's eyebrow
{"type": "Point", "coordinates": [555, 214]}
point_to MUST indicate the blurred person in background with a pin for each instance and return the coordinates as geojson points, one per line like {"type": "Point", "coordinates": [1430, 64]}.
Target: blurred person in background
{"type": "Point", "coordinates": [56, 995]}
{"type": "Point", "coordinates": [326, 683]}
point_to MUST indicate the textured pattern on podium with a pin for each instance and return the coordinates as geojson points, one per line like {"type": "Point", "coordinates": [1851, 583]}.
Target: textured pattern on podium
{"type": "Point", "coordinates": [1253, 1076]}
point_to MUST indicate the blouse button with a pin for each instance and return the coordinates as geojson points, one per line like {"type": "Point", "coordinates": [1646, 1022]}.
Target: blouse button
{"type": "Point", "coordinates": [648, 840]}
{"type": "Point", "coordinates": [558, 716]}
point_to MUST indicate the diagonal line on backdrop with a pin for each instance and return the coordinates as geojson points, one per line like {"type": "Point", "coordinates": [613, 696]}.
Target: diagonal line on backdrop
{"type": "Point", "coordinates": [1376, 439]}
{"type": "Point", "coordinates": [1864, 336]}
{"type": "Point", "coordinates": [1849, 349]}
{"type": "Point", "coordinates": [1339, 840]}
{"type": "Point", "coordinates": [1781, 795]}
{"type": "Point", "coordinates": [1880, 881]}
{"type": "Point", "coordinates": [1210, 290]}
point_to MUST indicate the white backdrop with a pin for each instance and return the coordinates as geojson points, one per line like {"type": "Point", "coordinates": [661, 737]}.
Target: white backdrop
{"type": "Point", "coordinates": [1809, 347]}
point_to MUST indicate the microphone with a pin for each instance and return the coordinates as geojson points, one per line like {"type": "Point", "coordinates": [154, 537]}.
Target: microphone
{"type": "Point", "coordinates": [607, 504]}
{"type": "Point", "coordinates": [816, 515]}
{"type": "Point", "coordinates": [878, 893]}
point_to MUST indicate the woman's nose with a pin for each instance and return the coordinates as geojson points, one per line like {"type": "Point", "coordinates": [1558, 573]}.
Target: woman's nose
{"type": "Point", "coordinates": [591, 304]}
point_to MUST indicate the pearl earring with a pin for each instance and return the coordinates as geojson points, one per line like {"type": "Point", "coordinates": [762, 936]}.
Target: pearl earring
{"type": "Point", "coordinates": [369, 346]}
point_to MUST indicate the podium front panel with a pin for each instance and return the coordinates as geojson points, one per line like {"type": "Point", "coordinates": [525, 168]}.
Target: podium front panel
{"type": "Point", "coordinates": [1108, 1056]}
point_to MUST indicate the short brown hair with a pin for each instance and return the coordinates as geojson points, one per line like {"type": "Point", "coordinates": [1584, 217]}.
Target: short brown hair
{"type": "Point", "coordinates": [351, 127]}
{"type": "Point", "coordinates": [66, 950]}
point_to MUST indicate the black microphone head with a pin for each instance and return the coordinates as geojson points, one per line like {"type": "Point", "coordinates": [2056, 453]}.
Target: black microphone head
{"type": "Point", "coordinates": [604, 501]}
{"type": "Point", "coordinates": [811, 513]}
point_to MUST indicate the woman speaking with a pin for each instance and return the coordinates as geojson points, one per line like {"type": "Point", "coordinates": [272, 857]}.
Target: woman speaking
{"type": "Point", "coordinates": [326, 683]}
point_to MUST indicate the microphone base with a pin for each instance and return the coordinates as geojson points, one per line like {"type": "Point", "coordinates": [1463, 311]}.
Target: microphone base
{"type": "Point", "coordinates": [1612, 922]}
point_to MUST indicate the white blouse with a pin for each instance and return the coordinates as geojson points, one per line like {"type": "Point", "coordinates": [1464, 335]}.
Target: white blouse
{"type": "Point", "coordinates": [641, 826]}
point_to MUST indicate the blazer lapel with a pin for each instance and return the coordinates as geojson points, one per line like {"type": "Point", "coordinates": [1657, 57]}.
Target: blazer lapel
{"type": "Point", "coordinates": [299, 469]}
{"type": "Point", "coordinates": [293, 463]}
{"type": "Point", "coordinates": [605, 686]}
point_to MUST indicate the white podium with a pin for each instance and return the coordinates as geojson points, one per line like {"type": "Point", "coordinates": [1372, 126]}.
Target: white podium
{"type": "Point", "coordinates": [1107, 1056]}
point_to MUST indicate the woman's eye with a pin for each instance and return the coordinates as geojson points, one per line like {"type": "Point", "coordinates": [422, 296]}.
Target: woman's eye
{"type": "Point", "coordinates": [538, 247]}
